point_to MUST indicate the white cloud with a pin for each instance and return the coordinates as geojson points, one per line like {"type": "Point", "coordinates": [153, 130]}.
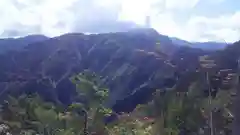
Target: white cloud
{"type": "Point", "coordinates": [181, 4]}
{"type": "Point", "coordinates": [222, 28]}
{"type": "Point", "coordinates": [34, 13]}
{"type": "Point", "coordinates": [51, 17]}
{"type": "Point", "coordinates": [165, 24]}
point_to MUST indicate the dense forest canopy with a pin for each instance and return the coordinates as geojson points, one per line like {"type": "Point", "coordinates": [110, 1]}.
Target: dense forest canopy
{"type": "Point", "coordinates": [135, 82]}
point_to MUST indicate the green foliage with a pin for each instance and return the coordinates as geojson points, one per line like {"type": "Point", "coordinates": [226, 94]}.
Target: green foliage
{"type": "Point", "coordinates": [168, 113]}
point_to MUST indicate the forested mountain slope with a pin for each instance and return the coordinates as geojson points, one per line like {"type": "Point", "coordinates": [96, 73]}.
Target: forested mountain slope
{"type": "Point", "coordinates": [125, 60]}
{"type": "Point", "coordinates": [10, 44]}
{"type": "Point", "coordinates": [132, 65]}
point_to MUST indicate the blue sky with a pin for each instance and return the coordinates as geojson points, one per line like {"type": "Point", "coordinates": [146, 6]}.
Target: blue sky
{"type": "Point", "coordinates": [218, 8]}
{"type": "Point", "coordinates": [192, 20]}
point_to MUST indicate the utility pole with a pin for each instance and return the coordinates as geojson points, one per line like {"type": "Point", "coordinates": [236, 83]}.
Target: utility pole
{"type": "Point", "coordinates": [207, 65]}
{"type": "Point", "coordinates": [236, 121]}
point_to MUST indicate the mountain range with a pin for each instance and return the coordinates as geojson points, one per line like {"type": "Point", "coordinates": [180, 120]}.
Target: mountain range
{"type": "Point", "coordinates": [201, 45]}
{"type": "Point", "coordinates": [129, 62]}
{"type": "Point", "coordinates": [7, 44]}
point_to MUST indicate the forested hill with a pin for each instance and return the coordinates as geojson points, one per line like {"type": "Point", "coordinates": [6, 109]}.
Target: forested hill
{"type": "Point", "coordinates": [8, 44]}
{"type": "Point", "coordinates": [113, 55]}
{"type": "Point", "coordinates": [132, 65]}
{"type": "Point", "coordinates": [126, 60]}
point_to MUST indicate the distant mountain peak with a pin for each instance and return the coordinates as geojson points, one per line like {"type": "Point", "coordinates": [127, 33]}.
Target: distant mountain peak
{"type": "Point", "coordinates": [201, 45]}
{"type": "Point", "coordinates": [8, 44]}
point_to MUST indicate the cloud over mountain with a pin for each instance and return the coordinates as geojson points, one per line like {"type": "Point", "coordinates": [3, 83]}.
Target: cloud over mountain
{"type": "Point", "coordinates": [186, 19]}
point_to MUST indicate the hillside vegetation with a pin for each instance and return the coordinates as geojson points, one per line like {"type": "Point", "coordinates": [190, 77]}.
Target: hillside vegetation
{"type": "Point", "coordinates": [132, 83]}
